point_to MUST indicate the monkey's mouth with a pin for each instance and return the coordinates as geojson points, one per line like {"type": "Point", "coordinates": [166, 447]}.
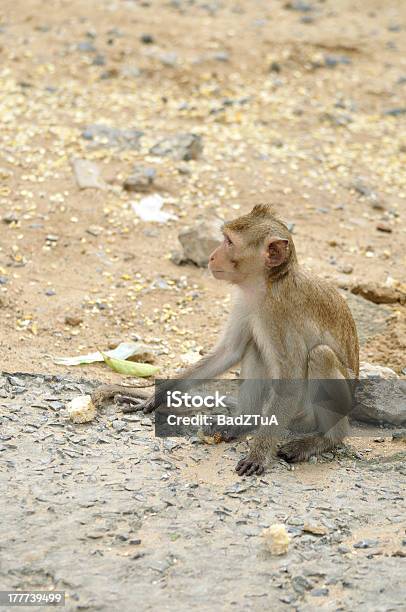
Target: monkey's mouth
{"type": "Point", "coordinates": [217, 272]}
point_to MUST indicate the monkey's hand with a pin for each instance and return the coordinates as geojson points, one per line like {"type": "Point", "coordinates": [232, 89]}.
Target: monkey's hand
{"type": "Point", "coordinates": [148, 405]}
{"type": "Point", "coordinates": [250, 465]}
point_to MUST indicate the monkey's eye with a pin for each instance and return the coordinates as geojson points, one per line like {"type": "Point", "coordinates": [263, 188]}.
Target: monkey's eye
{"type": "Point", "coordinates": [227, 240]}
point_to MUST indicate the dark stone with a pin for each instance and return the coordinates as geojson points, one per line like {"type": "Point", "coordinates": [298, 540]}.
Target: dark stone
{"type": "Point", "coordinates": [104, 136]}
{"type": "Point", "coordinates": [395, 112]}
{"type": "Point", "coordinates": [182, 147]}
{"type": "Point", "coordinates": [147, 39]}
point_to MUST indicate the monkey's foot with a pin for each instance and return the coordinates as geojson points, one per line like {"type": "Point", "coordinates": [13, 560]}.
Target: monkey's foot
{"type": "Point", "coordinates": [250, 466]}
{"type": "Point", "coordinates": [303, 448]}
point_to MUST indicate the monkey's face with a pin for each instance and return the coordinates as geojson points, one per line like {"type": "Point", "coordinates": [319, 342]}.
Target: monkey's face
{"type": "Point", "coordinates": [234, 261]}
{"type": "Point", "coordinates": [242, 261]}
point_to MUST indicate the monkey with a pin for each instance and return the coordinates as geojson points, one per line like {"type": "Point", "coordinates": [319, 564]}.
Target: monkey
{"type": "Point", "coordinates": [286, 324]}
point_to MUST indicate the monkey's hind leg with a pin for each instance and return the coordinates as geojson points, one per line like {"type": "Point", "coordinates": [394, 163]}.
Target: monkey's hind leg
{"type": "Point", "coordinates": [332, 378]}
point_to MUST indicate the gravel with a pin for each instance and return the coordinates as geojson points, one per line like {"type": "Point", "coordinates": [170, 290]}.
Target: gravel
{"type": "Point", "coordinates": [112, 515]}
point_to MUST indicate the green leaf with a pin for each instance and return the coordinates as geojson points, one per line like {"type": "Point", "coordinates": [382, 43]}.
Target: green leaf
{"type": "Point", "coordinates": [130, 368]}
{"type": "Point", "coordinates": [123, 351]}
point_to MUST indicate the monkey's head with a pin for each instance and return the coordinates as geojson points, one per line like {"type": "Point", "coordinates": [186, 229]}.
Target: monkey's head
{"type": "Point", "coordinates": [255, 245]}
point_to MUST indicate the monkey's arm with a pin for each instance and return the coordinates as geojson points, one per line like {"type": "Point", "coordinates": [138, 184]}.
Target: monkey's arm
{"type": "Point", "coordinates": [227, 353]}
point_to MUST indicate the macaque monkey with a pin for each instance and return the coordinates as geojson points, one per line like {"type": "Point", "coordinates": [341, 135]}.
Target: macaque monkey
{"type": "Point", "coordinates": [285, 324]}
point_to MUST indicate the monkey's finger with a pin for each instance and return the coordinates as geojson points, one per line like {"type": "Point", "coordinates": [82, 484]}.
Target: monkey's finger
{"type": "Point", "coordinates": [248, 468]}
{"type": "Point", "coordinates": [127, 399]}
{"type": "Point", "coordinates": [149, 406]}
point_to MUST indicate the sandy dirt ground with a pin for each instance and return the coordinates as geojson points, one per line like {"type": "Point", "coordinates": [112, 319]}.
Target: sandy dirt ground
{"type": "Point", "coordinates": [298, 104]}
{"type": "Point", "coordinates": [291, 108]}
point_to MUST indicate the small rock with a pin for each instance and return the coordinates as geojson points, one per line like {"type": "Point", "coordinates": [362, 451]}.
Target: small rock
{"type": "Point", "coordinates": [182, 147]}
{"type": "Point", "coordinates": [379, 294]}
{"type": "Point", "coordinates": [366, 544]}
{"type": "Point", "coordinates": [147, 39]}
{"type": "Point", "coordinates": [73, 319]}
{"type": "Point", "coordinates": [95, 230]}
{"type": "Point", "coordinates": [99, 60]}
{"type": "Point", "coordinates": [87, 174]}
{"type": "Point", "coordinates": [276, 539]}
{"type": "Point", "coordinates": [384, 227]}
{"type": "Point", "coordinates": [86, 47]}
{"type": "Point", "coordinates": [395, 112]}
{"type": "Point", "coordinates": [301, 584]}
{"type": "Point", "coordinates": [379, 400]}
{"type": "Point", "coordinates": [346, 269]}
{"type": "Point", "coordinates": [299, 5]}
{"type": "Point", "coordinates": [399, 553]}
{"type": "Point", "coordinates": [315, 528]}
{"type": "Point", "coordinates": [344, 549]}
{"type": "Point", "coordinates": [338, 119]}
{"type": "Point", "coordinates": [372, 370]}
{"type": "Point", "coordinates": [399, 436]}
{"type": "Point", "coordinates": [275, 67]}
{"type": "Point", "coordinates": [111, 73]}
{"type": "Point", "coordinates": [169, 59]}
{"type": "Point", "coordinates": [119, 425]}
{"type": "Point", "coordinates": [221, 56]}
{"type": "Point", "coordinates": [334, 60]}
{"type": "Point", "coordinates": [360, 186]}
{"type": "Point", "coordinates": [9, 218]}
{"type": "Point", "coordinates": [183, 169]}
{"type": "Point", "coordinates": [101, 135]}
{"type": "Point", "coordinates": [199, 241]}
{"type": "Point", "coordinates": [141, 179]}
{"type": "Point", "coordinates": [319, 592]}
{"type": "Point", "coordinates": [82, 409]}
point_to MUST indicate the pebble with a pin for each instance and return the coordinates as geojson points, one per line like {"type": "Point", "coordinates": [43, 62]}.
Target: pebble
{"type": "Point", "coordinates": [73, 319]}
{"type": "Point", "coordinates": [184, 147]}
{"type": "Point", "coordinates": [87, 174]}
{"type": "Point", "coordinates": [319, 592]}
{"type": "Point", "coordinates": [9, 218]}
{"type": "Point", "coordinates": [384, 227]}
{"type": "Point", "coordinates": [147, 39]}
{"type": "Point", "coordinates": [366, 543]}
{"type": "Point", "coordinates": [346, 269]}
{"type": "Point", "coordinates": [315, 528]}
{"type": "Point", "coordinates": [100, 135]}
{"type": "Point", "coordinates": [379, 294]}
{"type": "Point", "coordinates": [141, 179]}
{"type": "Point", "coordinates": [199, 241]}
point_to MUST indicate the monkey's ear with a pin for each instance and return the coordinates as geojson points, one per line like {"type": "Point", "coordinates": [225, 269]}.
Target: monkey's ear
{"type": "Point", "coordinates": [277, 251]}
